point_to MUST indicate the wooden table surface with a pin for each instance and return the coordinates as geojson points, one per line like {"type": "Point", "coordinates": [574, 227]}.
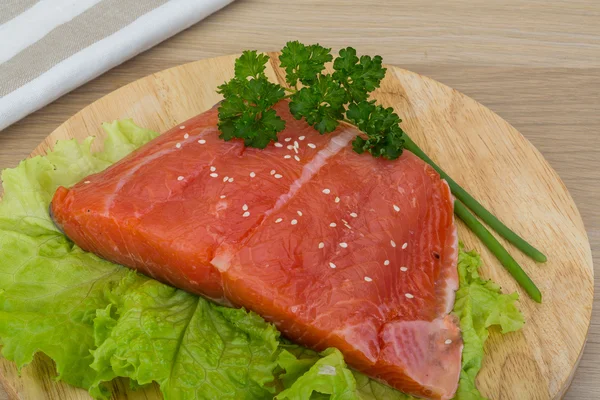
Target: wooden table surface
{"type": "Point", "coordinates": [536, 63]}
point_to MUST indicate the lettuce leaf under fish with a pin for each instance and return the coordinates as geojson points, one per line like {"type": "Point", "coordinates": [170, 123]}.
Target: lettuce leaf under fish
{"type": "Point", "coordinates": [99, 321]}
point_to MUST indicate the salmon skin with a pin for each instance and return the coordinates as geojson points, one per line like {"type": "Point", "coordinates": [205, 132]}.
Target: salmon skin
{"type": "Point", "coordinates": [335, 248]}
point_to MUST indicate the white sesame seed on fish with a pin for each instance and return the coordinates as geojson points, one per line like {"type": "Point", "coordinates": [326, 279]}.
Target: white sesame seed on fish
{"type": "Point", "coordinates": [87, 182]}
{"type": "Point", "coordinates": [337, 199]}
{"type": "Point", "coordinates": [287, 156]}
{"type": "Point", "coordinates": [278, 144]}
{"type": "Point", "coordinates": [448, 341]}
{"type": "Point", "coordinates": [343, 245]}
{"type": "Point", "coordinates": [252, 174]}
{"type": "Point", "coordinates": [296, 143]}
{"type": "Point", "coordinates": [404, 246]}
{"type": "Point", "coordinates": [409, 296]}
{"type": "Point", "coordinates": [326, 191]}
{"type": "Point", "coordinates": [278, 176]}
{"type": "Point", "coordinates": [344, 221]}
{"type": "Point", "coordinates": [182, 127]}
{"type": "Point", "coordinates": [290, 147]}
{"type": "Point", "coordinates": [396, 208]}
{"type": "Point", "coordinates": [178, 145]}
{"type": "Point", "coordinates": [393, 243]}
{"type": "Point", "coordinates": [333, 224]}
{"type": "Point", "coordinates": [272, 172]}
{"type": "Point", "coordinates": [301, 137]}
{"type": "Point", "coordinates": [213, 169]}
{"type": "Point", "coordinates": [245, 207]}
{"type": "Point", "coordinates": [403, 269]}
{"type": "Point", "coordinates": [230, 180]}
{"type": "Point", "coordinates": [278, 220]}
{"type": "Point", "coordinates": [187, 135]}
{"type": "Point", "coordinates": [353, 215]}
{"type": "Point", "coordinates": [321, 245]}
{"type": "Point", "coordinates": [347, 226]}
{"type": "Point", "coordinates": [299, 212]}
{"type": "Point", "coordinates": [201, 141]}
{"type": "Point", "coordinates": [222, 196]}
{"type": "Point", "coordinates": [287, 139]}
{"type": "Point", "coordinates": [246, 214]}
{"type": "Point", "coordinates": [367, 279]}
{"type": "Point", "coordinates": [225, 179]}
{"type": "Point", "coordinates": [296, 150]}
{"type": "Point", "coordinates": [332, 265]}
{"type": "Point", "coordinates": [296, 158]}
{"type": "Point", "coordinates": [386, 262]}
{"type": "Point", "coordinates": [180, 178]}
{"type": "Point", "coordinates": [312, 146]}
{"type": "Point", "coordinates": [214, 174]}
{"type": "Point", "coordinates": [294, 222]}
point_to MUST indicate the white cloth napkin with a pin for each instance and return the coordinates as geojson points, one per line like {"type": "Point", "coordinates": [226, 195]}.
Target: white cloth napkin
{"type": "Point", "coordinates": [50, 47]}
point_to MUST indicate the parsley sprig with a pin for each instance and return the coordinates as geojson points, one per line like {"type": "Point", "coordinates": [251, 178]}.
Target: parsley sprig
{"type": "Point", "coordinates": [323, 100]}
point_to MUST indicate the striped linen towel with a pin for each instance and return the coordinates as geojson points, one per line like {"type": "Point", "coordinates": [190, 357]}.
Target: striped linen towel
{"type": "Point", "coordinates": [50, 47]}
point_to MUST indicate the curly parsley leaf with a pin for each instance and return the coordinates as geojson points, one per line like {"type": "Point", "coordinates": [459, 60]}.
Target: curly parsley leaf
{"type": "Point", "coordinates": [359, 76]}
{"type": "Point", "coordinates": [382, 128]}
{"type": "Point", "coordinates": [250, 64]}
{"type": "Point", "coordinates": [321, 105]}
{"type": "Point", "coordinates": [303, 63]}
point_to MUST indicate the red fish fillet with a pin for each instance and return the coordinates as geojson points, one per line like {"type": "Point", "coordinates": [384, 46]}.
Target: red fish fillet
{"type": "Point", "coordinates": [335, 248]}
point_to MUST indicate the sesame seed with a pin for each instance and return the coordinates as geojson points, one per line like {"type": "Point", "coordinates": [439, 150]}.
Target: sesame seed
{"type": "Point", "coordinates": [367, 279]}
{"type": "Point", "coordinates": [86, 182]}
{"type": "Point", "coordinates": [332, 265]}
{"type": "Point", "coordinates": [290, 147]}
{"type": "Point", "coordinates": [396, 208]}
{"type": "Point", "coordinates": [344, 221]}
{"type": "Point", "coordinates": [178, 145]}
{"type": "Point", "coordinates": [180, 178]}
{"type": "Point", "coordinates": [299, 212]}
{"type": "Point", "coordinates": [252, 174]}
{"type": "Point", "coordinates": [404, 246]}
{"type": "Point", "coordinates": [214, 174]}
{"type": "Point", "coordinates": [187, 135]}
{"type": "Point", "coordinates": [272, 172]}
{"type": "Point", "coordinates": [287, 139]}
{"type": "Point", "coordinates": [222, 196]}
{"type": "Point", "coordinates": [230, 180]}
{"type": "Point", "coordinates": [201, 141]}
{"type": "Point", "coordinates": [296, 158]}
{"type": "Point", "coordinates": [448, 341]}
{"type": "Point", "coordinates": [294, 222]}
{"type": "Point", "coordinates": [296, 144]}
{"type": "Point", "coordinates": [225, 179]}
{"type": "Point", "coordinates": [278, 176]}
{"type": "Point", "coordinates": [353, 215]}
{"type": "Point", "coordinates": [337, 199]}
{"type": "Point", "coordinates": [333, 224]}
{"type": "Point", "coordinates": [393, 243]}
{"type": "Point", "coordinates": [321, 245]}
{"type": "Point", "coordinates": [296, 150]}
{"type": "Point", "coordinates": [278, 220]}
{"type": "Point", "coordinates": [408, 295]}
{"type": "Point", "coordinates": [343, 245]}
{"type": "Point", "coordinates": [348, 226]}
{"type": "Point", "coordinates": [182, 127]}
{"type": "Point", "coordinates": [301, 137]}
{"type": "Point", "coordinates": [278, 144]}
{"type": "Point", "coordinates": [245, 207]}
{"type": "Point", "coordinates": [246, 214]}
{"type": "Point", "coordinates": [213, 169]}
{"type": "Point", "coordinates": [403, 269]}
{"type": "Point", "coordinates": [386, 262]}
{"type": "Point", "coordinates": [326, 191]}
{"type": "Point", "coordinates": [287, 156]}
{"type": "Point", "coordinates": [312, 146]}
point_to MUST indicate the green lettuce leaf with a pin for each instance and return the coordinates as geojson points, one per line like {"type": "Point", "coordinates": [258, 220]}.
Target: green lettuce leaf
{"type": "Point", "coordinates": [99, 321]}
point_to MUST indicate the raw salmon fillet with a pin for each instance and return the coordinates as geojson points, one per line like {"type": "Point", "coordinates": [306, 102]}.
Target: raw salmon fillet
{"type": "Point", "coordinates": [335, 248]}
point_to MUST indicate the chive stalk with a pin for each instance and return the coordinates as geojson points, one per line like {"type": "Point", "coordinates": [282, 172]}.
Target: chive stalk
{"type": "Point", "coordinates": [477, 208]}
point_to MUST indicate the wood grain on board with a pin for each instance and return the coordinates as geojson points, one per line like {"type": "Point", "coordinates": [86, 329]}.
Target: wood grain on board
{"type": "Point", "coordinates": [535, 63]}
{"type": "Point", "coordinates": [477, 147]}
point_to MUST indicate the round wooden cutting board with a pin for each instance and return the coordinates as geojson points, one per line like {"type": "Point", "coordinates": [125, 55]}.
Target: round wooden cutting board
{"type": "Point", "coordinates": [477, 148]}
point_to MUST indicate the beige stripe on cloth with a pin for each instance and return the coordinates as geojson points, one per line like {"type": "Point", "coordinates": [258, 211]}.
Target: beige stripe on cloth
{"type": "Point", "coordinates": [100, 21]}
{"type": "Point", "coordinates": [11, 8]}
